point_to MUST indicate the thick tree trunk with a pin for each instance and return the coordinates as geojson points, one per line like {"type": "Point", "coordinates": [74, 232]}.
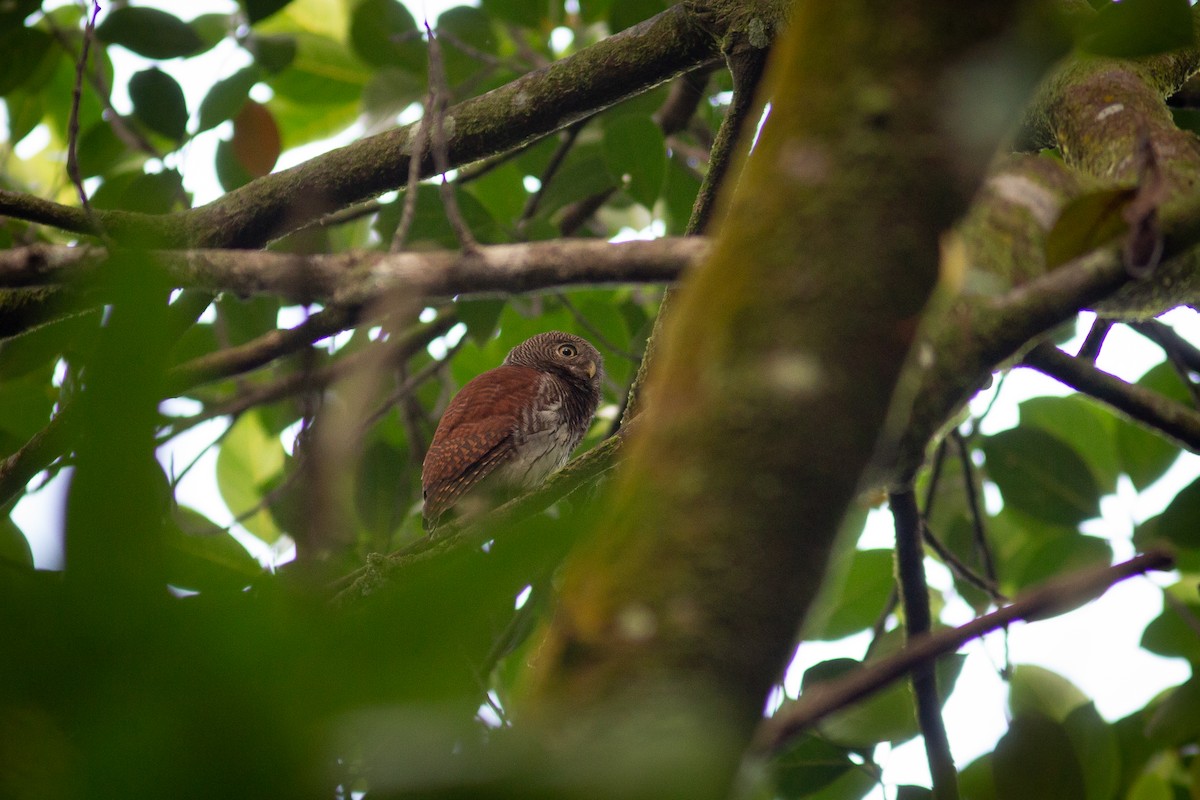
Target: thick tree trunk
{"type": "Point", "coordinates": [773, 392]}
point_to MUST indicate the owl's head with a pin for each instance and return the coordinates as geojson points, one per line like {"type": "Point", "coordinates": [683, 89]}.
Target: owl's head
{"type": "Point", "coordinates": [564, 353]}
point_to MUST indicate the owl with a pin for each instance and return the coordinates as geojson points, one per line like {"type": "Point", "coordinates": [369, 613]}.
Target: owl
{"type": "Point", "coordinates": [512, 426]}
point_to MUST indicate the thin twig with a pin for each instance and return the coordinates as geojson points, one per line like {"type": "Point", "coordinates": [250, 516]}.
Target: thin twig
{"type": "Point", "coordinates": [261, 350]}
{"type": "Point", "coordinates": [918, 620]}
{"type": "Point", "coordinates": [73, 121]}
{"type": "Point", "coordinates": [960, 569]}
{"type": "Point", "coordinates": [977, 527]}
{"type": "Point", "coordinates": [417, 156]}
{"type": "Point", "coordinates": [556, 160]}
{"type": "Point", "coordinates": [1051, 599]}
{"type": "Point", "coordinates": [132, 138]}
{"type": "Point", "coordinates": [409, 385]}
{"type": "Point", "coordinates": [440, 97]}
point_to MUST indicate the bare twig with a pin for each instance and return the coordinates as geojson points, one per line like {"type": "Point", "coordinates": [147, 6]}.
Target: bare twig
{"type": "Point", "coordinates": [132, 138]}
{"type": "Point", "coordinates": [439, 96]}
{"type": "Point", "coordinates": [982, 547]}
{"type": "Point", "coordinates": [89, 30]}
{"type": "Point", "coordinates": [960, 569]}
{"type": "Point", "coordinates": [556, 160]}
{"type": "Point", "coordinates": [260, 351]}
{"type": "Point", "coordinates": [1163, 415]}
{"type": "Point", "coordinates": [420, 142]}
{"type": "Point", "coordinates": [918, 621]}
{"type": "Point", "coordinates": [1048, 600]}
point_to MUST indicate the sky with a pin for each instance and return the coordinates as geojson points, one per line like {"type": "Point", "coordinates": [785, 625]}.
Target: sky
{"type": "Point", "coordinates": [1096, 647]}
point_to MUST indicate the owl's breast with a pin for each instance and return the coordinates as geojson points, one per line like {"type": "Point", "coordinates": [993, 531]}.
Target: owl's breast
{"type": "Point", "coordinates": [543, 439]}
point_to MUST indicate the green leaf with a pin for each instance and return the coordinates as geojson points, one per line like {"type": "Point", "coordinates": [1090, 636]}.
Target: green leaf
{"type": "Point", "coordinates": [1177, 523]}
{"type": "Point", "coordinates": [272, 53]}
{"type": "Point", "coordinates": [1044, 557]}
{"type": "Point", "coordinates": [102, 152]}
{"type": "Point", "coordinates": [1134, 28]}
{"type": "Point", "coordinates": [14, 547]}
{"type": "Point", "coordinates": [582, 174]}
{"type": "Point", "coordinates": [202, 556]}
{"type": "Point", "coordinates": [864, 593]}
{"type": "Point", "coordinates": [39, 348]}
{"type": "Point", "coordinates": [1170, 634]}
{"type": "Point", "coordinates": [14, 12]}
{"type": "Point", "coordinates": [624, 14]}
{"type": "Point", "coordinates": [323, 72]}
{"type": "Point", "coordinates": [809, 764]}
{"type": "Point", "coordinates": [975, 781]}
{"type": "Point", "coordinates": [390, 91]}
{"type": "Point", "coordinates": [1095, 746]}
{"type": "Point", "coordinates": [158, 102]}
{"type": "Point", "coordinates": [149, 32]}
{"type": "Point", "coordinates": [1040, 475]}
{"type": "Point", "coordinates": [502, 192]}
{"type": "Point", "coordinates": [1177, 719]}
{"type": "Point", "coordinates": [25, 407]}
{"type": "Point", "coordinates": [382, 491]}
{"type": "Point", "coordinates": [261, 9]}
{"type": "Point", "coordinates": [213, 28]}
{"type": "Point", "coordinates": [1034, 760]}
{"type": "Point", "coordinates": [679, 194]}
{"type": "Point", "coordinates": [1085, 223]}
{"type": "Point", "coordinates": [226, 97]}
{"type": "Point", "coordinates": [430, 225]}
{"type": "Point", "coordinates": [635, 154]}
{"type": "Point", "coordinates": [248, 461]}
{"type": "Point", "coordinates": [1088, 428]}
{"type": "Point", "coordinates": [1146, 455]}
{"type": "Point", "coordinates": [480, 317]}
{"type": "Point", "coordinates": [230, 172]}
{"type": "Point", "coordinates": [384, 34]}
{"type": "Point", "coordinates": [1151, 786]}
{"type": "Point", "coordinates": [25, 112]}
{"type": "Point", "coordinates": [527, 13]}
{"type": "Point", "coordinates": [156, 193]}
{"type": "Point", "coordinates": [886, 716]}
{"type": "Point", "coordinates": [1036, 690]}
{"type": "Point", "coordinates": [465, 26]}
{"type": "Point", "coordinates": [24, 54]}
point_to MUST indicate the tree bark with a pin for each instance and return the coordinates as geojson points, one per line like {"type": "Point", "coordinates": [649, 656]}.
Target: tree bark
{"type": "Point", "coordinates": [771, 396]}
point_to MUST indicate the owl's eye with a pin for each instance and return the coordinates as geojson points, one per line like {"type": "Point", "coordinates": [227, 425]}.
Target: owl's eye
{"type": "Point", "coordinates": [567, 350]}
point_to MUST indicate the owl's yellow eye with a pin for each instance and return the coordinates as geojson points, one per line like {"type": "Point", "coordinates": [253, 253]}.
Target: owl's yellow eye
{"type": "Point", "coordinates": [567, 350]}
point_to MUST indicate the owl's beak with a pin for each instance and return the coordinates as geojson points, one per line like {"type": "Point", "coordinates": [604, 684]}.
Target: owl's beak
{"type": "Point", "coordinates": [591, 369]}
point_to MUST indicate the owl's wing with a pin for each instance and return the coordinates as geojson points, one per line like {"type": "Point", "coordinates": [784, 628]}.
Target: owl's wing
{"type": "Point", "coordinates": [475, 435]}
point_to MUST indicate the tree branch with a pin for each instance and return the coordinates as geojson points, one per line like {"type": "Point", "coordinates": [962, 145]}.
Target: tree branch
{"type": "Point", "coordinates": [1159, 413]}
{"type": "Point", "coordinates": [914, 592]}
{"type": "Point", "coordinates": [358, 278]}
{"type": "Point", "coordinates": [1049, 600]}
{"type": "Point", "coordinates": [456, 536]}
{"type": "Point", "coordinates": [533, 106]}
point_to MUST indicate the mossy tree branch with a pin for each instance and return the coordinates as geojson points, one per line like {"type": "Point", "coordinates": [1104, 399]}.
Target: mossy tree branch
{"type": "Point", "coordinates": [775, 380]}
